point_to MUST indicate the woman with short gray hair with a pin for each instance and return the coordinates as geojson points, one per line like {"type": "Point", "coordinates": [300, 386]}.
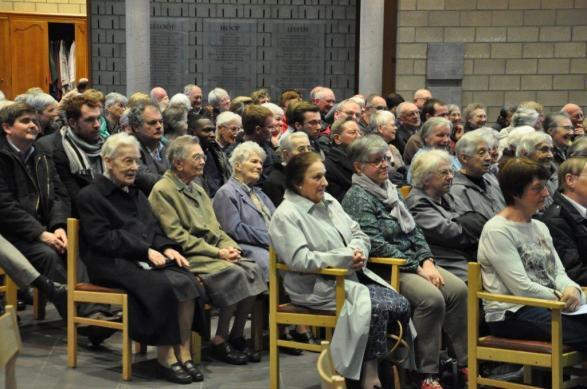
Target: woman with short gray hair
{"type": "Point", "coordinates": [228, 125]}
{"type": "Point", "coordinates": [242, 209]}
{"type": "Point", "coordinates": [538, 147]}
{"type": "Point", "coordinates": [114, 106]}
{"type": "Point", "coordinates": [438, 298]}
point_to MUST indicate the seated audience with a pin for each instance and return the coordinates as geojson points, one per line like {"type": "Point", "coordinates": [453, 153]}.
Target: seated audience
{"type": "Point", "coordinates": [239, 103]}
{"type": "Point", "coordinates": [452, 237]}
{"type": "Point", "coordinates": [566, 218]}
{"type": "Point", "coordinates": [432, 108]}
{"type": "Point", "coordinates": [537, 146]}
{"type": "Point", "coordinates": [228, 124]}
{"type": "Point", "coordinates": [34, 205]}
{"type": "Point", "coordinates": [517, 258]}
{"type": "Point", "coordinates": [114, 106]}
{"type": "Point", "coordinates": [338, 167]}
{"type": "Point", "coordinates": [438, 298]}
{"type": "Point", "coordinates": [310, 230]}
{"type": "Point", "coordinates": [232, 281]}
{"type": "Point", "coordinates": [560, 128]}
{"type": "Point", "coordinates": [475, 116]}
{"type": "Point", "coordinates": [147, 125]}
{"type": "Point", "coordinates": [290, 145]}
{"type": "Point", "coordinates": [383, 123]}
{"type": "Point", "coordinates": [473, 189]}
{"type": "Point", "coordinates": [124, 247]}
{"type": "Point", "coordinates": [243, 210]}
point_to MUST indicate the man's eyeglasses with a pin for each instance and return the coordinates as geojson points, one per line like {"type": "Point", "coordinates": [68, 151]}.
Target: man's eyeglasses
{"type": "Point", "coordinates": [379, 161]}
{"type": "Point", "coordinates": [377, 107]}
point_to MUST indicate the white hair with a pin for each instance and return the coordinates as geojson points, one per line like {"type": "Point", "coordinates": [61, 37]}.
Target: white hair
{"type": "Point", "coordinates": [115, 142]}
{"type": "Point", "coordinates": [113, 98]}
{"type": "Point", "coordinates": [244, 151]}
{"type": "Point", "coordinates": [274, 108]}
{"type": "Point", "coordinates": [515, 136]}
{"type": "Point", "coordinates": [286, 141]}
{"type": "Point", "coordinates": [530, 142]}
{"type": "Point", "coordinates": [426, 163]}
{"type": "Point", "coordinates": [226, 118]}
{"type": "Point", "coordinates": [179, 99]}
{"type": "Point", "coordinates": [215, 95]}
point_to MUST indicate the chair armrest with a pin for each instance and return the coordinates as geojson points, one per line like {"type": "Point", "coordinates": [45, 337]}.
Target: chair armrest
{"type": "Point", "coordinates": [331, 271]}
{"type": "Point", "coordinates": [388, 261]}
{"type": "Point", "coordinates": [531, 301]}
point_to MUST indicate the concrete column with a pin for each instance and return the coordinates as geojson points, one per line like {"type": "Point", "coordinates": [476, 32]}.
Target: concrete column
{"type": "Point", "coordinates": [371, 47]}
{"type": "Point", "coordinates": [138, 46]}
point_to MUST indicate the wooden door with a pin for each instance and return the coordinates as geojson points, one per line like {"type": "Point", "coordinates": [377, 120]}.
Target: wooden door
{"type": "Point", "coordinates": [5, 67]}
{"type": "Point", "coordinates": [29, 54]}
{"type": "Point", "coordinates": [81, 50]}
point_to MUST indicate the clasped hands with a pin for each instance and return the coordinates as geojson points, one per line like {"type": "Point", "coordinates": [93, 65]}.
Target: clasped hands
{"type": "Point", "coordinates": [159, 259]}
{"type": "Point", "coordinates": [229, 254]}
{"type": "Point", "coordinates": [358, 260]}
{"type": "Point", "coordinates": [430, 273]}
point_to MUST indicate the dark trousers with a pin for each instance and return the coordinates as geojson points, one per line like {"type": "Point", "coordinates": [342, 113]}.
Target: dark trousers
{"type": "Point", "coordinates": [532, 323]}
{"type": "Point", "coordinates": [44, 258]}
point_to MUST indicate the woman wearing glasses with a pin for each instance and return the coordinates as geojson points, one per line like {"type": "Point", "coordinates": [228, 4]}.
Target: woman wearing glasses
{"type": "Point", "coordinates": [438, 298]}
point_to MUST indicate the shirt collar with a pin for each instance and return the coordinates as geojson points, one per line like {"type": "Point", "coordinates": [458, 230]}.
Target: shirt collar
{"type": "Point", "coordinates": [25, 155]}
{"type": "Point", "coordinates": [581, 209]}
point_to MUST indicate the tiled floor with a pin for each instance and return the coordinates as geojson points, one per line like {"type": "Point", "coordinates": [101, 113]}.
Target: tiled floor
{"type": "Point", "coordinates": [42, 364]}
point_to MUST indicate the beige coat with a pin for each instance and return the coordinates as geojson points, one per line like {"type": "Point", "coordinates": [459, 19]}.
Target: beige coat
{"type": "Point", "coordinates": [186, 215]}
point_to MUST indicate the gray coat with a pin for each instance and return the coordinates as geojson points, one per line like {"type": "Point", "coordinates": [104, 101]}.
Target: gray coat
{"type": "Point", "coordinates": [243, 222]}
{"type": "Point", "coordinates": [470, 197]}
{"type": "Point", "coordinates": [308, 236]}
{"type": "Point", "coordinates": [452, 238]}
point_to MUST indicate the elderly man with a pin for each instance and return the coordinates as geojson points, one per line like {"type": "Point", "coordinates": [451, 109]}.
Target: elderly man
{"type": "Point", "coordinates": [217, 169]}
{"type": "Point", "coordinates": [561, 130]}
{"type": "Point", "coordinates": [432, 108]}
{"type": "Point", "coordinates": [228, 124]}
{"type": "Point", "coordinates": [146, 123]}
{"type": "Point", "coordinates": [421, 96]}
{"type": "Point", "coordinates": [339, 168]}
{"type": "Point", "coordinates": [159, 96]}
{"type": "Point", "coordinates": [576, 114]}
{"type": "Point", "coordinates": [219, 99]}
{"type": "Point", "coordinates": [383, 124]}
{"type": "Point", "coordinates": [475, 116]}
{"type": "Point", "coordinates": [409, 122]}
{"type": "Point", "coordinates": [290, 146]}
{"type": "Point", "coordinates": [114, 106]}
{"type": "Point", "coordinates": [47, 111]}
{"type": "Point", "coordinates": [325, 99]}
{"type": "Point", "coordinates": [538, 147]}
{"type": "Point", "coordinates": [194, 93]}
{"type": "Point", "coordinates": [473, 189]}
{"type": "Point", "coordinates": [566, 218]}
{"type": "Point", "coordinates": [33, 206]}
{"type": "Point", "coordinates": [373, 103]}
{"type": "Point", "coordinates": [347, 108]}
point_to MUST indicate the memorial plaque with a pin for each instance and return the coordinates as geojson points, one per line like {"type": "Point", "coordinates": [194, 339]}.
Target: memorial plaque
{"type": "Point", "coordinates": [298, 55]}
{"type": "Point", "coordinates": [169, 53]}
{"type": "Point", "coordinates": [449, 91]}
{"type": "Point", "coordinates": [445, 61]}
{"type": "Point", "coordinates": [230, 55]}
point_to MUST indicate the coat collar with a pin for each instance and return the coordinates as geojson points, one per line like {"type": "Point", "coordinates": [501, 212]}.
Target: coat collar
{"type": "Point", "coordinates": [569, 208]}
{"type": "Point", "coordinates": [193, 190]}
{"type": "Point", "coordinates": [107, 187]}
{"type": "Point", "coordinates": [242, 192]}
{"type": "Point", "coordinates": [303, 203]}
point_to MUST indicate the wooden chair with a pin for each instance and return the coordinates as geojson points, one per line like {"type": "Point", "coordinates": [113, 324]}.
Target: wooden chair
{"type": "Point", "coordinates": [90, 293]}
{"type": "Point", "coordinates": [405, 190]}
{"type": "Point", "coordinates": [11, 345]}
{"type": "Point", "coordinates": [551, 355]}
{"type": "Point", "coordinates": [9, 289]}
{"type": "Point", "coordinates": [326, 370]}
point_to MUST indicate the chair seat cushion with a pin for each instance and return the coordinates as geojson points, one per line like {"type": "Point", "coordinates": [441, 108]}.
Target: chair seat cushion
{"type": "Point", "coordinates": [87, 287]}
{"type": "Point", "coordinates": [292, 308]}
{"type": "Point", "coordinates": [533, 346]}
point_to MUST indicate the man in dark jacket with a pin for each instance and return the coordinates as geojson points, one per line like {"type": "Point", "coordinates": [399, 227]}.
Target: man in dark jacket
{"type": "Point", "coordinates": [33, 204]}
{"type": "Point", "coordinates": [566, 219]}
{"type": "Point", "coordinates": [339, 168]}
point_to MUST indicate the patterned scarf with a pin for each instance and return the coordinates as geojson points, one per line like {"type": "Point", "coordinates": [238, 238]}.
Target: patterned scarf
{"type": "Point", "coordinates": [84, 158]}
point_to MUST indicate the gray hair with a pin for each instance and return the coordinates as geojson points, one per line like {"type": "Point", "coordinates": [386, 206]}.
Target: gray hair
{"type": "Point", "coordinates": [525, 117]}
{"type": "Point", "coordinates": [399, 110]}
{"type": "Point", "coordinates": [274, 108]}
{"type": "Point", "coordinates": [113, 98]}
{"type": "Point", "coordinates": [530, 141]}
{"type": "Point", "coordinates": [135, 114]}
{"type": "Point", "coordinates": [469, 109]}
{"type": "Point", "coordinates": [114, 142]}
{"type": "Point", "coordinates": [578, 148]}
{"type": "Point", "coordinates": [39, 101]}
{"type": "Point", "coordinates": [244, 151]}
{"type": "Point", "coordinates": [177, 149]}
{"type": "Point", "coordinates": [491, 135]}
{"type": "Point", "coordinates": [175, 120]}
{"type": "Point", "coordinates": [431, 124]}
{"type": "Point", "coordinates": [360, 149]}
{"type": "Point", "coordinates": [319, 94]}
{"type": "Point", "coordinates": [344, 102]}
{"type": "Point", "coordinates": [426, 163]}
{"type": "Point", "coordinates": [188, 88]}
{"type": "Point", "coordinates": [123, 121]}
{"type": "Point", "coordinates": [227, 117]}
{"type": "Point", "coordinates": [286, 141]}
{"type": "Point", "coordinates": [181, 100]}
{"type": "Point", "coordinates": [515, 136]}
{"type": "Point", "coordinates": [469, 142]}
{"type": "Point", "coordinates": [452, 107]}
{"type": "Point", "coordinates": [379, 118]}
{"type": "Point", "coordinates": [215, 95]}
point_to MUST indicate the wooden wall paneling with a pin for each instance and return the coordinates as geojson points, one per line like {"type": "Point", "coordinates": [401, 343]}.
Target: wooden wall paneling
{"type": "Point", "coordinates": [5, 66]}
{"type": "Point", "coordinates": [81, 47]}
{"type": "Point", "coordinates": [29, 54]}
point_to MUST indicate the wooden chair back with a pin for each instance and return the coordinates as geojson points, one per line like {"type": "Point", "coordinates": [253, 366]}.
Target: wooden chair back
{"type": "Point", "coordinates": [11, 345]}
{"type": "Point", "coordinates": [328, 376]}
{"type": "Point", "coordinates": [405, 190]}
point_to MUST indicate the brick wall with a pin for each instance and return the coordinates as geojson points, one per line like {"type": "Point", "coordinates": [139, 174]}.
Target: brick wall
{"type": "Point", "coordinates": [64, 7]}
{"type": "Point", "coordinates": [515, 50]}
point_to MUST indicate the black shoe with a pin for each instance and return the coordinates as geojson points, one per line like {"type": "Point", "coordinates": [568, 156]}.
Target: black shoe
{"type": "Point", "coordinates": [240, 344]}
{"type": "Point", "coordinates": [194, 370]}
{"type": "Point", "coordinates": [287, 350]}
{"type": "Point", "coordinates": [223, 352]}
{"type": "Point", "coordinates": [56, 293]}
{"type": "Point", "coordinates": [306, 337]}
{"type": "Point", "coordinates": [175, 373]}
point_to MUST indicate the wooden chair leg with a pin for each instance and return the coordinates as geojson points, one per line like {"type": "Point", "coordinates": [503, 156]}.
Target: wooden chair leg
{"type": "Point", "coordinates": [273, 354]}
{"type": "Point", "coordinates": [126, 343]}
{"type": "Point", "coordinates": [196, 347]}
{"type": "Point", "coordinates": [328, 334]}
{"type": "Point", "coordinates": [527, 374]}
{"type": "Point", "coordinates": [38, 305]}
{"type": "Point", "coordinates": [71, 333]}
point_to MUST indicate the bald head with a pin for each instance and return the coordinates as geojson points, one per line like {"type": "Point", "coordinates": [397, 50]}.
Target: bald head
{"type": "Point", "coordinates": [408, 114]}
{"type": "Point", "coordinates": [421, 96]}
{"type": "Point", "coordinates": [575, 114]}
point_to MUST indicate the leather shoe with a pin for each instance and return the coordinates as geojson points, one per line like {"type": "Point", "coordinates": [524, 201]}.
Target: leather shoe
{"type": "Point", "coordinates": [175, 373]}
{"type": "Point", "coordinates": [240, 344]}
{"type": "Point", "coordinates": [223, 352]}
{"type": "Point", "coordinates": [194, 370]}
{"type": "Point", "coordinates": [306, 337]}
{"type": "Point", "coordinates": [56, 292]}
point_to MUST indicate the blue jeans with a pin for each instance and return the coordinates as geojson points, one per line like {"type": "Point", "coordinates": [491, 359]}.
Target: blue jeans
{"type": "Point", "coordinates": [532, 323]}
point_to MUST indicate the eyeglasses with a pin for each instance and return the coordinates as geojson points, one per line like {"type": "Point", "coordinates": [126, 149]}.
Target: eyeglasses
{"type": "Point", "coordinates": [379, 161]}
{"type": "Point", "coordinates": [199, 157]}
{"type": "Point", "coordinates": [377, 107]}
{"type": "Point", "coordinates": [446, 173]}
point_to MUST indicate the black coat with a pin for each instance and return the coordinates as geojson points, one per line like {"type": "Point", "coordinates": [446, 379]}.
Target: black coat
{"type": "Point", "coordinates": [117, 229]}
{"type": "Point", "coordinates": [274, 185]}
{"type": "Point", "coordinates": [339, 172]}
{"type": "Point", "coordinates": [569, 235]}
{"type": "Point", "coordinates": [402, 136]}
{"type": "Point", "coordinates": [150, 169]}
{"type": "Point", "coordinates": [32, 197]}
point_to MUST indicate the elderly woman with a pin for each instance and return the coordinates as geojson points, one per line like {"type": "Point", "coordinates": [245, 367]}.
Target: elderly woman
{"type": "Point", "coordinates": [124, 247]}
{"type": "Point", "coordinates": [517, 258]}
{"type": "Point", "coordinates": [232, 282]}
{"type": "Point", "coordinates": [242, 209]}
{"type": "Point", "coordinates": [383, 124]}
{"type": "Point", "coordinates": [279, 121]}
{"type": "Point", "coordinates": [452, 237]}
{"type": "Point", "coordinates": [310, 230]}
{"type": "Point", "coordinates": [475, 116]}
{"type": "Point", "coordinates": [114, 106]}
{"type": "Point", "coordinates": [454, 115]}
{"type": "Point", "coordinates": [438, 298]}
{"type": "Point", "coordinates": [538, 147]}
{"type": "Point", "coordinates": [228, 124]}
